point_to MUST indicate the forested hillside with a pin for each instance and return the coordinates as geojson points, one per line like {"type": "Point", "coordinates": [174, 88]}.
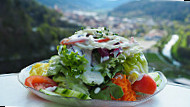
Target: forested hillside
{"type": "Point", "coordinates": [29, 31]}
{"type": "Point", "coordinates": [85, 5]}
{"type": "Point", "coordinates": [157, 9]}
{"type": "Point", "coordinates": [178, 13]}
{"type": "Point", "coordinates": [181, 50]}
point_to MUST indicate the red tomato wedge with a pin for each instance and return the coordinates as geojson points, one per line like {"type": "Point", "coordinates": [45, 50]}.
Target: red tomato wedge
{"type": "Point", "coordinates": [146, 85]}
{"type": "Point", "coordinates": [103, 40]}
{"type": "Point", "coordinates": [39, 82]}
{"type": "Point", "coordinates": [69, 42]}
{"type": "Point", "coordinates": [81, 40]}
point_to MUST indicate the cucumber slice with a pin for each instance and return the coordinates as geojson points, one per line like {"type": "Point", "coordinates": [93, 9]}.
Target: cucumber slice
{"type": "Point", "coordinates": [49, 92]}
{"type": "Point", "coordinates": [156, 77]}
{"type": "Point", "coordinates": [71, 93]}
{"type": "Point", "coordinates": [158, 82]}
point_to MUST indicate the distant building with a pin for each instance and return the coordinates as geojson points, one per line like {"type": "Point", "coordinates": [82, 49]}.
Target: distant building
{"type": "Point", "coordinates": [57, 8]}
{"type": "Point", "coordinates": [155, 34]}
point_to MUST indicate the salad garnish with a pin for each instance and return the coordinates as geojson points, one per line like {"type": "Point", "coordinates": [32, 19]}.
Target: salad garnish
{"type": "Point", "coordinates": [95, 64]}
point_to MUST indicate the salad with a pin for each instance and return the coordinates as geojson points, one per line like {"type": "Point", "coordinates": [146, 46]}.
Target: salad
{"type": "Point", "coordinates": [95, 64]}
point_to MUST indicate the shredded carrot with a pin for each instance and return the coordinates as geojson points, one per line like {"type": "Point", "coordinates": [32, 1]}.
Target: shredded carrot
{"type": "Point", "coordinates": [123, 82]}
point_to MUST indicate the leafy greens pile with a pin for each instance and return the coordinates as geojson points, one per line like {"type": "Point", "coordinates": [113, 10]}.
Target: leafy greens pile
{"type": "Point", "coordinates": [90, 72]}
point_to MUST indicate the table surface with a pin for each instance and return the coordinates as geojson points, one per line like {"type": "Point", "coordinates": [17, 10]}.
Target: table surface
{"type": "Point", "coordinates": [12, 93]}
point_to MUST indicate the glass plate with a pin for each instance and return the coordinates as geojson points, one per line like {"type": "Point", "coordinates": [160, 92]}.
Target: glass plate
{"type": "Point", "coordinates": [92, 102]}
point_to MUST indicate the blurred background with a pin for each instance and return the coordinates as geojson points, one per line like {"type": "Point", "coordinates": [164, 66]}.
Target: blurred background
{"type": "Point", "coordinates": [30, 30]}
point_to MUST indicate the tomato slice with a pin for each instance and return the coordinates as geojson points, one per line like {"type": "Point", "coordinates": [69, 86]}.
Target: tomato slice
{"type": "Point", "coordinates": [81, 40]}
{"type": "Point", "coordinates": [67, 42]}
{"type": "Point", "coordinates": [39, 82]}
{"type": "Point", "coordinates": [103, 40]}
{"type": "Point", "coordinates": [146, 85]}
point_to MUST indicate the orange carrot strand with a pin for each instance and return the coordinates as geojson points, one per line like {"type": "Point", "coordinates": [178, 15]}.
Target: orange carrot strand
{"type": "Point", "coordinates": [123, 82]}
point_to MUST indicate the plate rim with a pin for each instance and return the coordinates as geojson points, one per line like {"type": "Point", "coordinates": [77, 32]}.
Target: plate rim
{"type": "Point", "coordinates": [163, 83]}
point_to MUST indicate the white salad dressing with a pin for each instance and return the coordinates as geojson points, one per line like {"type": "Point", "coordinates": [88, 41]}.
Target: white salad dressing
{"type": "Point", "coordinates": [104, 59]}
{"type": "Point", "coordinates": [97, 90]}
{"type": "Point", "coordinates": [140, 77]}
{"type": "Point", "coordinates": [92, 43]}
{"type": "Point", "coordinates": [92, 77]}
{"type": "Point", "coordinates": [77, 76]}
{"type": "Point", "coordinates": [52, 68]}
{"type": "Point", "coordinates": [86, 40]}
{"type": "Point", "coordinates": [51, 88]}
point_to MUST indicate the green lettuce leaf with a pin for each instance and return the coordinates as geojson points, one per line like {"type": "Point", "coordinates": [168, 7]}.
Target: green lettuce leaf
{"type": "Point", "coordinates": [55, 65]}
{"type": "Point", "coordinates": [110, 67]}
{"type": "Point", "coordinates": [103, 95]}
{"type": "Point", "coordinates": [74, 63]}
{"type": "Point", "coordinates": [137, 62]}
{"type": "Point", "coordinates": [71, 83]}
{"type": "Point", "coordinates": [115, 90]}
{"type": "Point", "coordinates": [111, 89]}
{"type": "Point", "coordinates": [66, 69]}
{"type": "Point", "coordinates": [134, 66]}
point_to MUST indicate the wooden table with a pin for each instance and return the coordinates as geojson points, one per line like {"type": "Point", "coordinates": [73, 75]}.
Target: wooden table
{"type": "Point", "coordinates": [12, 93]}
